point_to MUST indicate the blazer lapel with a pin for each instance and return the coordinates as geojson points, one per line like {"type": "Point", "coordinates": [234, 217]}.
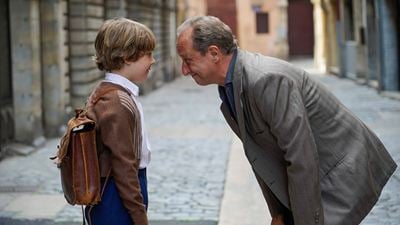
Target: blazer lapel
{"type": "Point", "coordinates": [268, 166]}
{"type": "Point", "coordinates": [229, 119]}
{"type": "Point", "coordinates": [238, 92]}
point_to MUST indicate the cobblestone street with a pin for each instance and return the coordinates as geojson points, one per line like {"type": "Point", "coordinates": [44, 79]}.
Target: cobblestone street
{"type": "Point", "coordinates": [190, 148]}
{"type": "Point", "coordinates": [190, 145]}
{"type": "Point", "coordinates": [313, 156]}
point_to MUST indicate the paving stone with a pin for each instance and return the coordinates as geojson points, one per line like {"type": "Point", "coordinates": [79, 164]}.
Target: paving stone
{"type": "Point", "coordinates": [35, 206]}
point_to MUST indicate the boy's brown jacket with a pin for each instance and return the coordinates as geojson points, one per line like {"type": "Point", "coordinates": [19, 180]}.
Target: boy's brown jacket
{"type": "Point", "coordinates": [119, 141]}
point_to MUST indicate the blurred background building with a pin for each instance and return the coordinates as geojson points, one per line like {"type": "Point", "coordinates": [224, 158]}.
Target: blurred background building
{"type": "Point", "coordinates": [360, 40]}
{"type": "Point", "coordinates": [46, 66]}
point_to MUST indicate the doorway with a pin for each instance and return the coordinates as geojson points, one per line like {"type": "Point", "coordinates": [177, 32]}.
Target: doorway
{"type": "Point", "coordinates": [6, 118]}
{"type": "Point", "coordinates": [300, 28]}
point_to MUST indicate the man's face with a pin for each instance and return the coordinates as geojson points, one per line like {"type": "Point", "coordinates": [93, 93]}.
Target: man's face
{"type": "Point", "coordinates": [200, 67]}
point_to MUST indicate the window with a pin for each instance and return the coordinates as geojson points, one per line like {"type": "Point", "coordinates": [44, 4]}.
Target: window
{"type": "Point", "coordinates": [262, 21]}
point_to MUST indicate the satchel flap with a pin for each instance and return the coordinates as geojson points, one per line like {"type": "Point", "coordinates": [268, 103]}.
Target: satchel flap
{"type": "Point", "coordinates": [79, 123]}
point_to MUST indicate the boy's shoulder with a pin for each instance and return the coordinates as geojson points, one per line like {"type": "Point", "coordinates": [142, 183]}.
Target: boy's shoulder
{"type": "Point", "coordinates": [111, 97]}
{"type": "Point", "coordinates": [106, 91]}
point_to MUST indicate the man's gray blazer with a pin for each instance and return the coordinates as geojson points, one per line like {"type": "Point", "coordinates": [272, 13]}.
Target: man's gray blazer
{"type": "Point", "coordinates": [308, 151]}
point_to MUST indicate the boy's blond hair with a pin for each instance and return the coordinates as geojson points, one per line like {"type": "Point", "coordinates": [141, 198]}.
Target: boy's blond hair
{"type": "Point", "coordinates": [122, 39]}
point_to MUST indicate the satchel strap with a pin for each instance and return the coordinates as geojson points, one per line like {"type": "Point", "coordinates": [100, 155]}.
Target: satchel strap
{"type": "Point", "coordinates": [101, 195]}
{"type": "Point", "coordinates": [78, 112]}
{"type": "Point", "coordinates": [96, 96]}
{"type": "Point", "coordinates": [93, 100]}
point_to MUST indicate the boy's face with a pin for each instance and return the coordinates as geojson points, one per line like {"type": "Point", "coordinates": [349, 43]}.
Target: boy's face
{"type": "Point", "coordinates": [138, 71]}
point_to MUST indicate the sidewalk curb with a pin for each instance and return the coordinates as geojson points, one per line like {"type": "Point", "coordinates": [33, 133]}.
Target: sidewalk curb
{"type": "Point", "coordinates": [242, 203]}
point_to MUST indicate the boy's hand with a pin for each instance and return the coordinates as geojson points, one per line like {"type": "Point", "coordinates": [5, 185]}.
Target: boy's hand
{"type": "Point", "coordinates": [277, 220]}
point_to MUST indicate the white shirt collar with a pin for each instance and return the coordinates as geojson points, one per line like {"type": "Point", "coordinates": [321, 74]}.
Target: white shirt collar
{"type": "Point", "coordinates": [122, 81]}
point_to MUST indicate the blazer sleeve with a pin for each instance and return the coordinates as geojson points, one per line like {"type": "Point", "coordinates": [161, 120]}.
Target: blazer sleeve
{"type": "Point", "coordinates": [282, 108]}
{"type": "Point", "coordinates": [120, 133]}
{"type": "Point", "coordinates": [274, 206]}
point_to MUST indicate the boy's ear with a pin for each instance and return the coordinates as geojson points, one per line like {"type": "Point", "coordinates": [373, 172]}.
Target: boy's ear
{"type": "Point", "coordinates": [127, 62]}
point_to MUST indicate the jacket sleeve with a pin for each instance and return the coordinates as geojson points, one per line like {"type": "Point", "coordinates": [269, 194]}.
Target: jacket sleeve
{"type": "Point", "coordinates": [119, 129]}
{"type": "Point", "coordinates": [282, 108]}
{"type": "Point", "coordinates": [274, 206]}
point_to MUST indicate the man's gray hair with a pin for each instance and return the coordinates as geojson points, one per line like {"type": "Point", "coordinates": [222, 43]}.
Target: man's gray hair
{"type": "Point", "coordinates": [207, 31]}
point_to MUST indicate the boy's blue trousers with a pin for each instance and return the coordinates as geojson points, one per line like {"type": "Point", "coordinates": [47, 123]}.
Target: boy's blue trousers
{"type": "Point", "coordinates": [110, 210]}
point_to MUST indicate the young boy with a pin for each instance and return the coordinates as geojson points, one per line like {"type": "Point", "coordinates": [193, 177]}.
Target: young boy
{"type": "Point", "coordinates": [124, 51]}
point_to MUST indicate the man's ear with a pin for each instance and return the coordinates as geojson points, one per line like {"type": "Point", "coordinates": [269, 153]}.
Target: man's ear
{"type": "Point", "coordinates": [215, 53]}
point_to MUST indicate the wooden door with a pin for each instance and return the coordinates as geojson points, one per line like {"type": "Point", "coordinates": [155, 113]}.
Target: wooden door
{"type": "Point", "coordinates": [300, 28]}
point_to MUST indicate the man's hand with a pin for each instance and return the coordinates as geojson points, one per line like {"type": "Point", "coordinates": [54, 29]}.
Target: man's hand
{"type": "Point", "coordinates": [277, 220]}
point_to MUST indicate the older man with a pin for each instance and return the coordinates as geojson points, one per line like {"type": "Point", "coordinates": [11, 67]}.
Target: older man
{"type": "Point", "coordinates": [314, 160]}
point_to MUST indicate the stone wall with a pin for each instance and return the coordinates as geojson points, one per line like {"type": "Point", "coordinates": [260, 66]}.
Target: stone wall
{"type": "Point", "coordinates": [48, 68]}
{"type": "Point", "coordinates": [85, 18]}
{"type": "Point", "coordinates": [26, 70]}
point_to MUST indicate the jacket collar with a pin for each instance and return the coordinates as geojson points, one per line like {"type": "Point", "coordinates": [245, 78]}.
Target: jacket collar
{"type": "Point", "coordinates": [122, 81]}
{"type": "Point", "coordinates": [239, 128]}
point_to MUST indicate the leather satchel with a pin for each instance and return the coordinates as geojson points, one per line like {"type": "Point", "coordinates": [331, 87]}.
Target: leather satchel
{"type": "Point", "coordinates": [78, 161]}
